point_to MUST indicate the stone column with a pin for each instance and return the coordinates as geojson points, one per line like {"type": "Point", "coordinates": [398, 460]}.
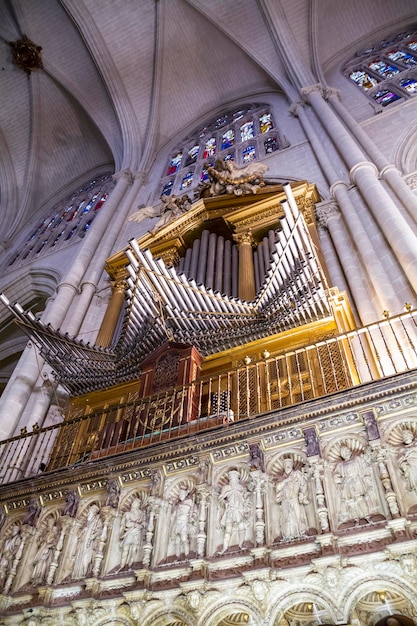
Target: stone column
{"type": "Point", "coordinates": [246, 289]}
{"type": "Point", "coordinates": [364, 174]}
{"type": "Point", "coordinates": [317, 470]}
{"type": "Point", "coordinates": [339, 190]}
{"type": "Point", "coordinates": [388, 170]}
{"type": "Point", "coordinates": [112, 314]}
{"type": "Point", "coordinates": [203, 496]}
{"type": "Point", "coordinates": [25, 376]}
{"type": "Point", "coordinates": [329, 216]}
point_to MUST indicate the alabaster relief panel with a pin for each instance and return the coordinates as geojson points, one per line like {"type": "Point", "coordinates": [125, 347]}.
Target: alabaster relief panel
{"type": "Point", "coordinates": [289, 492]}
{"type": "Point", "coordinates": [400, 456]}
{"type": "Point", "coordinates": [219, 508]}
{"type": "Point", "coordinates": [353, 485]}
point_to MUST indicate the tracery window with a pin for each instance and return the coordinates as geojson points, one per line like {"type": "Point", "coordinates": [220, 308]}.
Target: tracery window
{"type": "Point", "coordinates": [243, 135]}
{"type": "Point", "coordinates": [387, 71]}
{"type": "Point", "coordinates": [69, 221]}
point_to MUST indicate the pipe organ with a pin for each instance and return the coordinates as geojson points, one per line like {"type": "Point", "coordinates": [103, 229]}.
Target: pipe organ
{"type": "Point", "coordinates": [213, 260]}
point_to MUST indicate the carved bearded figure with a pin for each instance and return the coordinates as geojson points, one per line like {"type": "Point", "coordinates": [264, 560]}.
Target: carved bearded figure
{"type": "Point", "coordinates": [131, 533]}
{"type": "Point", "coordinates": [87, 542]}
{"type": "Point", "coordinates": [407, 460]}
{"type": "Point", "coordinates": [44, 555]}
{"type": "Point", "coordinates": [235, 504]}
{"type": "Point", "coordinates": [291, 494]}
{"type": "Point", "coordinates": [183, 525]}
{"type": "Point", "coordinates": [354, 482]}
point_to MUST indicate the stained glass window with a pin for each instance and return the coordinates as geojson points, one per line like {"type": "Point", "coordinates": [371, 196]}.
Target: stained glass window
{"type": "Point", "coordinates": [174, 164]}
{"type": "Point", "coordinates": [385, 97]}
{"type": "Point", "coordinates": [247, 131]}
{"type": "Point", "coordinates": [70, 219]}
{"type": "Point", "coordinates": [409, 84]}
{"type": "Point", "coordinates": [243, 135]}
{"type": "Point", "coordinates": [187, 180]}
{"type": "Point", "coordinates": [363, 79]}
{"type": "Point", "coordinates": [249, 154]}
{"type": "Point", "coordinates": [204, 174]}
{"type": "Point", "coordinates": [228, 139]}
{"type": "Point", "coordinates": [265, 122]}
{"type": "Point", "coordinates": [166, 191]}
{"type": "Point", "coordinates": [192, 155]}
{"type": "Point", "coordinates": [271, 144]}
{"type": "Point", "coordinates": [402, 57]}
{"type": "Point", "coordinates": [209, 148]}
{"type": "Point", "coordinates": [384, 69]}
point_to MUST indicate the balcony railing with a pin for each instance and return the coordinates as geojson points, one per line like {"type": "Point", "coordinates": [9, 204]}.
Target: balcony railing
{"type": "Point", "coordinates": [341, 362]}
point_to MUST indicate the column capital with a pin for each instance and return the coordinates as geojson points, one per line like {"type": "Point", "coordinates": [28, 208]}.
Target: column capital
{"type": "Point", "coordinates": [295, 106]}
{"type": "Point", "coordinates": [307, 91]}
{"type": "Point", "coordinates": [325, 211]}
{"type": "Point", "coordinates": [331, 92]}
{"type": "Point", "coordinates": [142, 176]}
{"type": "Point", "coordinates": [125, 175]}
{"type": "Point", "coordinates": [244, 237]}
{"type": "Point", "coordinates": [360, 166]}
{"type": "Point", "coordinates": [411, 181]}
{"type": "Point", "coordinates": [118, 284]}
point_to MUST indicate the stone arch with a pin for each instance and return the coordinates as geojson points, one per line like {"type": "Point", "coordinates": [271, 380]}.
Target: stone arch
{"type": "Point", "coordinates": [307, 602]}
{"type": "Point", "coordinates": [378, 598]}
{"type": "Point", "coordinates": [169, 617]}
{"type": "Point", "coordinates": [225, 613]}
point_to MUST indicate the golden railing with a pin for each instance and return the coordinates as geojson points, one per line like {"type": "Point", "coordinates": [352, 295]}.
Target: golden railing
{"type": "Point", "coordinates": [367, 354]}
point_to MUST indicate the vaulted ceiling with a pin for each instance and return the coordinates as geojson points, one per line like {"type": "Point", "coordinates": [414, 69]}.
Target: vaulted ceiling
{"type": "Point", "coordinates": [123, 78]}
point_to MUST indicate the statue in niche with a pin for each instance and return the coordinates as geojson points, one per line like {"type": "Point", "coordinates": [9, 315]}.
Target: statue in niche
{"type": "Point", "coordinates": [11, 544]}
{"type": "Point", "coordinates": [407, 460]}
{"type": "Point", "coordinates": [184, 521]}
{"type": "Point", "coordinates": [33, 512]}
{"type": "Point", "coordinates": [355, 487]}
{"type": "Point", "coordinates": [171, 207]}
{"type": "Point", "coordinates": [291, 494]}
{"type": "Point", "coordinates": [113, 493]}
{"type": "Point", "coordinates": [235, 509]}
{"type": "Point", "coordinates": [227, 178]}
{"type": "Point", "coordinates": [132, 531]}
{"type": "Point", "coordinates": [47, 541]}
{"type": "Point", "coordinates": [72, 499]}
{"type": "Point", "coordinates": [87, 542]}
{"type": "Point", "coordinates": [312, 441]}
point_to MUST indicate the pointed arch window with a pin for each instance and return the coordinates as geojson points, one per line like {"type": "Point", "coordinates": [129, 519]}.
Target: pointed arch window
{"type": "Point", "coordinates": [387, 71]}
{"type": "Point", "coordinates": [70, 220]}
{"type": "Point", "coordinates": [245, 134]}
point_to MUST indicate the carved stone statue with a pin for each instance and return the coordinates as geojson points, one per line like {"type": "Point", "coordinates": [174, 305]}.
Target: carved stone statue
{"type": "Point", "coordinates": [11, 543]}
{"type": "Point", "coordinates": [171, 207]}
{"type": "Point", "coordinates": [226, 177]}
{"type": "Point", "coordinates": [132, 531]}
{"type": "Point", "coordinates": [355, 487]}
{"type": "Point", "coordinates": [407, 460]}
{"type": "Point", "coordinates": [47, 541]}
{"type": "Point", "coordinates": [291, 494]}
{"type": "Point", "coordinates": [184, 522]}
{"type": "Point", "coordinates": [72, 499]}
{"type": "Point", "coordinates": [235, 509]}
{"type": "Point", "coordinates": [33, 512]}
{"type": "Point", "coordinates": [113, 493]}
{"type": "Point", "coordinates": [87, 542]}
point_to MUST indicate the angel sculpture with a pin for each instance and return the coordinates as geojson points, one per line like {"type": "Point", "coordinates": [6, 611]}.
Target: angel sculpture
{"type": "Point", "coordinates": [226, 177]}
{"type": "Point", "coordinates": [171, 207]}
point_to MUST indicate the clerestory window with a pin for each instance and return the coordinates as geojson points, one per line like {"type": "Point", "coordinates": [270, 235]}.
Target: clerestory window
{"type": "Point", "coordinates": [243, 135]}
{"type": "Point", "coordinates": [387, 71]}
{"type": "Point", "coordinates": [69, 220]}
